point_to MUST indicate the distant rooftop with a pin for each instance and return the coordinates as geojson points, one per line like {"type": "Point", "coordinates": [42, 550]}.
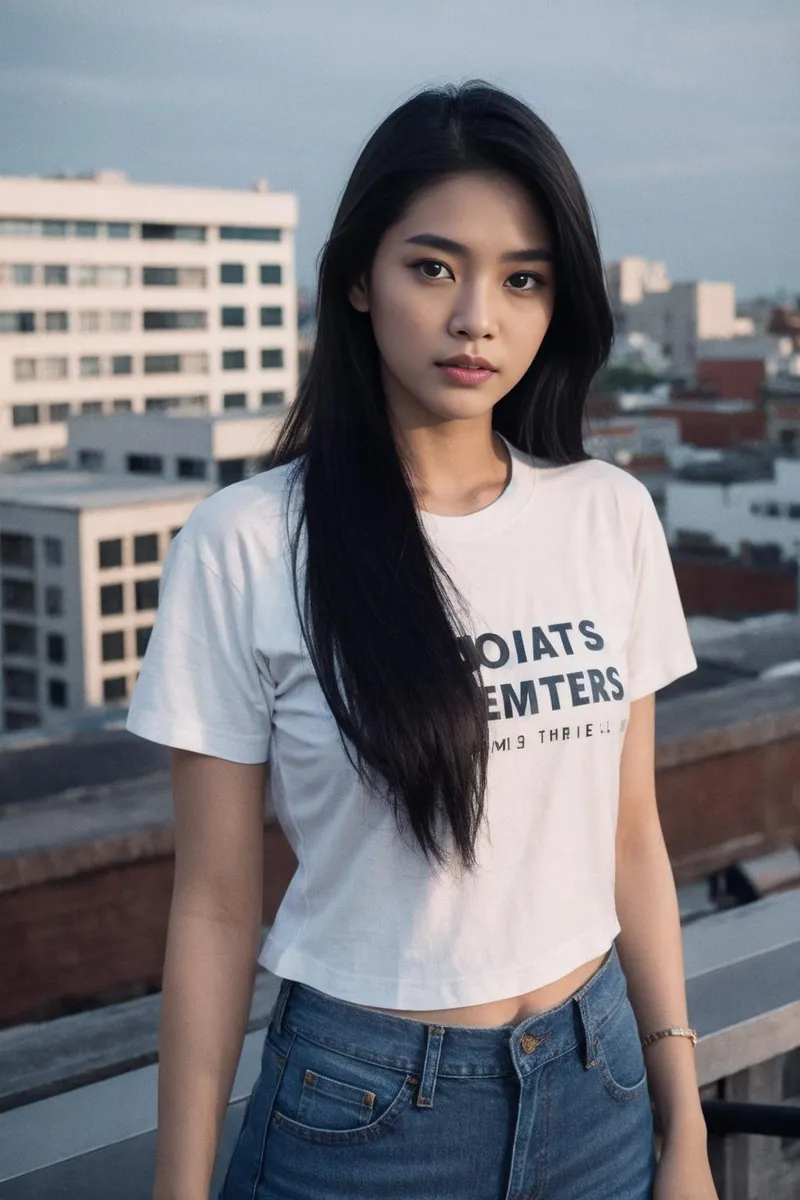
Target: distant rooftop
{"type": "Point", "coordinates": [79, 490]}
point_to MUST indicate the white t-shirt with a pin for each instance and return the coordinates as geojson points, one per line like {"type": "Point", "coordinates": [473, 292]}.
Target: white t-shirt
{"type": "Point", "coordinates": [575, 613]}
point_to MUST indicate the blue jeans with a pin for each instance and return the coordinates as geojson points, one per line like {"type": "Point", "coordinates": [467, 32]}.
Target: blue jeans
{"type": "Point", "coordinates": [357, 1103]}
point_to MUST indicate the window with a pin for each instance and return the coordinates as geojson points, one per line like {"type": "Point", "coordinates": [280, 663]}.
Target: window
{"type": "Point", "coordinates": [53, 552]}
{"type": "Point", "coordinates": [86, 276]}
{"type": "Point", "coordinates": [24, 368]}
{"type": "Point", "coordinates": [160, 276]}
{"type": "Point", "coordinates": [57, 693]}
{"type": "Point", "coordinates": [162, 364]}
{"type": "Point", "coordinates": [271, 358]}
{"type": "Point", "coordinates": [19, 639]}
{"type": "Point", "coordinates": [86, 229]}
{"type": "Point", "coordinates": [231, 273]}
{"type": "Point", "coordinates": [230, 470]}
{"type": "Point", "coordinates": [56, 322]}
{"type": "Point", "coordinates": [22, 274]}
{"type": "Point", "coordinates": [271, 316]}
{"type": "Point", "coordinates": [115, 689]}
{"type": "Point", "coordinates": [56, 648]}
{"type": "Point", "coordinates": [54, 228]}
{"type": "Point", "coordinates": [25, 414]}
{"type": "Point", "coordinates": [120, 321]}
{"type": "Point", "coordinates": [232, 318]}
{"type": "Point", "coordinates": [20, 720]}
{"type": "Point", "coordinates": [91, 460]}
{"type": "Point", "coordinates": [114, 277]}
{"type": "Point", "coordinates": [234, 360]}
{"type": "Point", "coordinates": [142, 639]}
{"type": "Point", "coordinates": [151, 231]}
{"type": "Point", "coordinates": [145, 548]}
{"type": "Point", "coordinates": [161, 403]}
{"type": "Point", "coordinates": [109, 553]}
{"type": "Point", "coordinates": [112, 646]}
{"type": "Point", "coordinates": [145, 464]}
{"type": "Point", "coordinates": [191, 468]}
{"type": "Point", "coordinates": [173, 533]}
{"type": "Point", "coordinates": [53, 600]}
{"type": "Point", "coordinates": [89, 320]}
{"type": "Point", "coordinates": [58, 412]}
{"type": "Point", "coordinates": [14, 227]}
{"type": "Point", "coordinates": [195, 364]}
{"type": "Point", "coordinates": [111, 599]}
{"type": "Point", "coordinates": [268, 398]}
{"type": "Point", "coordinates": [248, 233]}
{"type": "Point", "coordinates": [119, 229]}
{"type": "Point", "coordinates": [54, 368]}
{"type": "Point", "coordinates": [89, 365]}
{"type": "Point", "coordinates": [18, 596]}
{"type": "Point", "coordinates": [16, 550]}
{"type": "Point", "coordinates": [120, 406]}
{"type": "Point", "coordinates": [55, 276]}
{"type": "Point", "coordinates": [122, 364]}
{"type": "Point", "coordinates": [146, 593]}
{"type": "Point", "coordinates": [92, 408]}
{"type": "Point", "coordinates": [17, 322]}
{"type": "Point", "coordinates": [271, 273]}
{"type": "Point", "coordinates": [20, 684]}
{"type": "Point", "coordinates": [234, 400]}
{"type": "Point", "coordinates": [164, 319]}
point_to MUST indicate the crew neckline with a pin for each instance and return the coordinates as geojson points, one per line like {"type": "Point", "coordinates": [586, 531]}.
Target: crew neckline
{"type": "Point", "coordinates": [505, 508]}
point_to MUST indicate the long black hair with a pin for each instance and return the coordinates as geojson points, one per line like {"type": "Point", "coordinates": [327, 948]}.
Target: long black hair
{"type": "Point", "coordinates": [378, 614]}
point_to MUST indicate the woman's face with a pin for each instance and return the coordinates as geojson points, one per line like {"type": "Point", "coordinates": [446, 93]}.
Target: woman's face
{"type": "Point", "coordinates": [468, 270]}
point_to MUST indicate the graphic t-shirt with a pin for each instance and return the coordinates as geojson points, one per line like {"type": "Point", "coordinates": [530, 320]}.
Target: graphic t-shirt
{"type": "Point", "coordinates": [573, 613]}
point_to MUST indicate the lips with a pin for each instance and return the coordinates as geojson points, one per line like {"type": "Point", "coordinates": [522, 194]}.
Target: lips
{"type": "Point", "coordinates": [464, 361]}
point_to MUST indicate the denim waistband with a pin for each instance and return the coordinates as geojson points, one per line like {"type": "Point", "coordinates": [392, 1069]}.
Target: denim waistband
{"type": "Point", "coordinates": [458, 1050]}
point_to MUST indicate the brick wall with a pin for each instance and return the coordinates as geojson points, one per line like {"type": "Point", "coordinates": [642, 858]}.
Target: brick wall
{"type": "Point", "coordinates": [720, 588]}
{"type": "Point", "coordinates": [86, 925]}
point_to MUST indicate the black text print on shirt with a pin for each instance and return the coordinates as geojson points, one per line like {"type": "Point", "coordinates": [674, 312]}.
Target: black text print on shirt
{"type": "Point", "coordinates": [548, 691]}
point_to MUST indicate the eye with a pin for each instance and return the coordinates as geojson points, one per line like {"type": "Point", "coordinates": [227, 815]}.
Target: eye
{"type": "Point", "coordinates": [422, 263]}
{"type": "Point", "coordinates": [537, 281]}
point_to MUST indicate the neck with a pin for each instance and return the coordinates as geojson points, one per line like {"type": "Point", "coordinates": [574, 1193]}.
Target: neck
{"type": "Point", "coordinates": [457, 467]}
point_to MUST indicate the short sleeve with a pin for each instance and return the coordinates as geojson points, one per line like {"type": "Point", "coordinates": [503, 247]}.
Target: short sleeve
{"type": "Point", "coordinates": [659, 646]}
{"type": "Point", "coordinates": [201, 686]}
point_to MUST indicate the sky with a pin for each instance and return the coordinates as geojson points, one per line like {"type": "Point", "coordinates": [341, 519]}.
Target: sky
{"type": "Point", "coordinates": [680, 117]}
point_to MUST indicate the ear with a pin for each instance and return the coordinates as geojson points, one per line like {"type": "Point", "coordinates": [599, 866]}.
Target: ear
{"type": "Point", "coordinates": [358, 295]}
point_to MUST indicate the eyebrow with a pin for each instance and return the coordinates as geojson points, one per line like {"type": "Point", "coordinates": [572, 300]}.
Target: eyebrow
{"type": "Point", "coordinates": [435, 242]}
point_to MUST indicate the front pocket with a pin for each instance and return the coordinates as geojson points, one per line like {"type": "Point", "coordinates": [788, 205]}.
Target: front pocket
{"type": "Point", "coordinates": [618, 1053]}
{"type": "Point", "coordinates": [334, 1098]}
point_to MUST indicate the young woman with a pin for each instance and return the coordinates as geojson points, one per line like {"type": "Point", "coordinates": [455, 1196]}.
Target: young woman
{"type": "Point", "coordinates": [441, 625]}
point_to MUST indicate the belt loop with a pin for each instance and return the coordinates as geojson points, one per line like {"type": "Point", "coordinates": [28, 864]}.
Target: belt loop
{"type": "Point", "coordinates": [433, 1050]}
{"type": "Point", "coordinates": [280, 1003]}
{"type": "Point", "coordinates": [586, 1021]}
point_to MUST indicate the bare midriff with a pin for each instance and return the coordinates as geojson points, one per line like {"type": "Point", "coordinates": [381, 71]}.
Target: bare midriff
{"type": "Point", "coordinates": [509, 1011]}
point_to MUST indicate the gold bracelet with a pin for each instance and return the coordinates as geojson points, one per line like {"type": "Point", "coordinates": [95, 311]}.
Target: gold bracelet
{"type": "Point", "coordinates": [673, 1031]}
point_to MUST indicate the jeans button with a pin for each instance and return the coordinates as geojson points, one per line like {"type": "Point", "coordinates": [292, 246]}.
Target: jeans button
{"type": "Point", "coordinates": [529, 1043]}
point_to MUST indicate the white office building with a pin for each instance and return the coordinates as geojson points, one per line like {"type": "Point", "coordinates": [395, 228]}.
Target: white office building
{"type": "Point", "coordinates": [121, 297]}
{"type": "Point", "coordinates": [180, 444]}
{"type": "Point", "coordinates": [80, 564]}
{"type": "Point", "coordinates": [757, 511]}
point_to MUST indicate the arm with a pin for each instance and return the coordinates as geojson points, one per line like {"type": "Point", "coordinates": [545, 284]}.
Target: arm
{"type": "Point", "coordinates": [650, 946]}
{"type": "Point", "coordinates": [209, 969]}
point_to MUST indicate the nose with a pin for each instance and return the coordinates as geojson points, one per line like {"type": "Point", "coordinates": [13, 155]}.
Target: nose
{"type": "Point", "coordinates": [472, 316]}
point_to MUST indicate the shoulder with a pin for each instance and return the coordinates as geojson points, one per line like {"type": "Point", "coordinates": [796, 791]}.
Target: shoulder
{"type": "Point", "coordinates": [596, 480]}
{"type": "Point", "coordinates": [243, 525]}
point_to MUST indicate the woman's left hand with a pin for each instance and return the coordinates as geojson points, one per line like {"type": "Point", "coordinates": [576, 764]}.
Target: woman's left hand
{"type": "Point", "coordinates": [683, 1172]}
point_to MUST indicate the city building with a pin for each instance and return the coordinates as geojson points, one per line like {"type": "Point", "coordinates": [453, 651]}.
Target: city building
{"type": "Point", "coordinates": [719, 507]}
{"type": "Point", "coordinates": [125, 297]}
{"type": "Point", "coordinates": [684, 315]}
{"type": "Point", "coordinates": [80, 564]}
{"type": "Point", "coordinates": [180, 444]}
{"type": "Point", "coordinates": [628, 281]}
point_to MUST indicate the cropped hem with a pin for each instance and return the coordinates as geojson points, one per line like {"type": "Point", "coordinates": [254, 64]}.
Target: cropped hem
{"type": "Point", "coordinates": [429, 992]}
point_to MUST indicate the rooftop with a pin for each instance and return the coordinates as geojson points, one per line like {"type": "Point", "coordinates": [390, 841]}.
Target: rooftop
{"type": "Point", "coordinates": [78, 490]}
